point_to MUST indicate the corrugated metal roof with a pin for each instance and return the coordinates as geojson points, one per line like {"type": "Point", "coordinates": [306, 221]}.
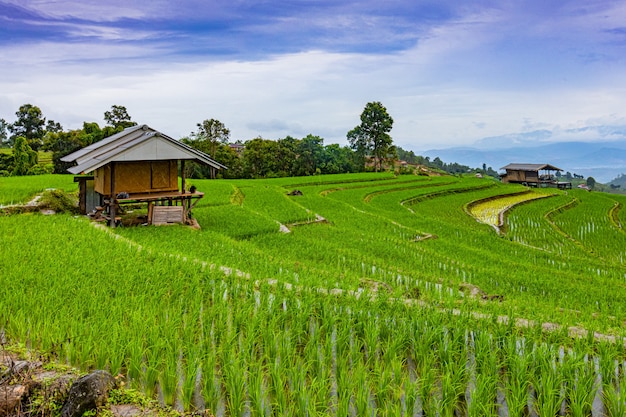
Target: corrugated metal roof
{"type": "Point", "coordinates": [114, 147]}
{"type": "Point", "coordinates": [531, 167]}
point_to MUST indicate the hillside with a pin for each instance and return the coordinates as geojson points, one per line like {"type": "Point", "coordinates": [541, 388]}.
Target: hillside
{"type": "Point", "coordinates": [367, 292]}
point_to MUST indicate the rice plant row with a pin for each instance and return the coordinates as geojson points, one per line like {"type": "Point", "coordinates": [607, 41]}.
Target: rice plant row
{"type": "Point", "coordinates": [254, 345]}
{"type": "Point", "coordinates": [491, 211]}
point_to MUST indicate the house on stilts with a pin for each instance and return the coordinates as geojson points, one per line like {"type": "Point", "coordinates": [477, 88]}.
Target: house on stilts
{"type": "Point", "coordinates": [533, 175]}
{"type": "Point", "coordinates": [137, 165]}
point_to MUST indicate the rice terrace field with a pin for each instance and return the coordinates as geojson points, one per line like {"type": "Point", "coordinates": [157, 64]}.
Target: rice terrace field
{"type": "Point", "coordinates": [367, 295]}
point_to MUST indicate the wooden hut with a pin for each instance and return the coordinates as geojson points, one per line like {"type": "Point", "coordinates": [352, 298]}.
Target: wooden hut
{"type": "Point", "coordinates": [138, 165]}
{"type": "Point", "coordinates": [534, 175]}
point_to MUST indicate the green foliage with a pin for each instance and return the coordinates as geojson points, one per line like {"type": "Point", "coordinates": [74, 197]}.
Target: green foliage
{"type": "Point", "coordinates": [30, 124]}
{"type": "Point", "coordinates": [63, 143]}
{"type": "Point", "coordinates": [372, 137]}
{"type": "Point", "coordinates": [24, 158]}
{"type": "Point", "coordinates": [4, 134]}
{"type": "Point", "coordinates": [591, 182]}
{"type": "Point", "coordinates": [118, 119]}
{"type": "Point", "coordinates": [59, 201]}
{"type": "Point", "coordinates": [210, 136]}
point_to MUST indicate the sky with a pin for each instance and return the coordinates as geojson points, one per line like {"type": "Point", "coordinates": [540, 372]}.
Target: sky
{"type": "Point", "coordinates": [450, 73]}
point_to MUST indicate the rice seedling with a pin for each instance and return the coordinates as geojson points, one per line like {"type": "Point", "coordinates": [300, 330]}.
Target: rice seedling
{"type": "Point", "coordinates": [20, 190]}
{"type": "Point", "coordinates": [279, 338]}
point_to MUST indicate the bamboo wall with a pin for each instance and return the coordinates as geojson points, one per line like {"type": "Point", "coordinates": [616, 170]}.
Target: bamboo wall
{"type": "Point", "coordinates": [138, 177]}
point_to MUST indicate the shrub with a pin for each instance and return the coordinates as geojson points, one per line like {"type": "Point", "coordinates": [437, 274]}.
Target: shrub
{"type": "Point", "coordinates": [59, 201]}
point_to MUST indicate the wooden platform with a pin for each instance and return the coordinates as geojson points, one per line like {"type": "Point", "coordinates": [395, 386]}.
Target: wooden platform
{"type": "Point", "coordinates": [145, 197]}
{"type": "Point", "coordinates": [164, 208]}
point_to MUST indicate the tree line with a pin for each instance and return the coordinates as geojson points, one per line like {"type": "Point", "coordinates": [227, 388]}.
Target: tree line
{"type": "Point", "coordinates": [370, 147]}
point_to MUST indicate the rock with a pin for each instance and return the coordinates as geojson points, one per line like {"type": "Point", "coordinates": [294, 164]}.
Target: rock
{"type": "Point", "coordinates": [88, 393]}
{"type": "Point", "coordinates": [10, 398]}
{"type": "Point", "coordinates": [59, 388]}
{"type": "Point", "coordinates": [23, 367]}
{"type": "Point", "coordinates": [128, 410]}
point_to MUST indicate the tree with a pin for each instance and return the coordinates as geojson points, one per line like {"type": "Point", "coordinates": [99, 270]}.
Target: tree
{"type": "Point", "coordinates": [53, 127]}
{"type": "Point", "coordinates": [310, 155]}
{"type": "Point", "coordinates": [337, 159]}
{"type": "Point", "coordinates": [117, 120]}
{"type": "Point", "coordinates": [4, 133]}
{"type": "Point", "coordinates": [63, 143]}
{"type": "Point", "coordinates": [284, 160]}
{"type": "Point", "coordinates": [591, 182]}
{"type": "Point", "coordinates": [231, 159]}
{"type": "Point", "coordinates": [30, 125]}
{"type": "Point", "coordinates": [259, 158]}
{"type": "Point", "coordinates": [210, 134]}
{"type": "Point", "coordinates": [24, 157]}
{"type": "Point", "coordinates": [372, 137]}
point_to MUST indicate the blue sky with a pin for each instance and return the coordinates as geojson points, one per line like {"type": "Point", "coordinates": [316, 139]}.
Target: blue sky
{"type": "Point", "coordinates": [450, 72]}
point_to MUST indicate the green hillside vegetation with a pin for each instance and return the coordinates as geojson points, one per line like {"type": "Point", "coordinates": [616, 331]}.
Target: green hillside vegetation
{"type": "Point", "coordinates": [386, 297]}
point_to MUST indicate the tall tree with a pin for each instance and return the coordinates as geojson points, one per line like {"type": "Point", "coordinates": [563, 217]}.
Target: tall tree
{"type": "Point", "coordinates": [210, 134]}
{"type": "Point", "coordinates": [372, 137]}
{"type": "Point", "coordinates": [30, 124]}
{"type": "Point", "coordinates": [117, 119]}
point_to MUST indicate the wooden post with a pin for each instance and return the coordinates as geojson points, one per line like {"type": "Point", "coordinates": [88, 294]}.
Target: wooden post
{"type": "Point", "coordinates": [112, 200]}
{"type": "Point", "coordinates": [182, 174]}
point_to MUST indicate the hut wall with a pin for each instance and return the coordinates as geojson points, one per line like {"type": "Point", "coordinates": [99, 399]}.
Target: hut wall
{"type": "Point", "coordinates": [513, 176]}
{"type": "Point", "coordinates": [138, 177]}
{"type": "Point", "coordinates": [522, 176]}
{"type": "Point", "coordinates": [532, 176]}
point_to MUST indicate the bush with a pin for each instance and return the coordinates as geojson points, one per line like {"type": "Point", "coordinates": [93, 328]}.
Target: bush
{"type": "Point", "coordinates": [40, 170]}
{"type": "Point", "coordinates": [59, 201]}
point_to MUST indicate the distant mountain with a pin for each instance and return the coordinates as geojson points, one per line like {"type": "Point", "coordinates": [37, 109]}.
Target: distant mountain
{"type": "Point", "coordinates": [602, 160]}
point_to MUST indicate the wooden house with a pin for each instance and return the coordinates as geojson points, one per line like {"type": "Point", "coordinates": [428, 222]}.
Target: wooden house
{"type": "Point", "coordinates": [138, 165]}
{"type": "Point", "coordinates": [533, 175]}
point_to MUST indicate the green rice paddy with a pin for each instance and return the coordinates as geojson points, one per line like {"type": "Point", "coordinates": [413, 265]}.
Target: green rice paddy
{"type": "Point", "coordinates": [368, 294]}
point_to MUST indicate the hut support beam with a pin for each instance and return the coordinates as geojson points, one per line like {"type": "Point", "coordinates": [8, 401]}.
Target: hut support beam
{"type": "Point", "coordinates": [112, 201]}
{"type": "Point", "coordinates": [182, 175]}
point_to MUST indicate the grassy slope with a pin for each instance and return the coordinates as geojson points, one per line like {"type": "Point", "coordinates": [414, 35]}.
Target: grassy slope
{"type": "Point", "coordinates": [19, 190]}
{"type": "Point", "coordinates": [159, 294]}
{"type": "Point", "coordinates": [370, 236]}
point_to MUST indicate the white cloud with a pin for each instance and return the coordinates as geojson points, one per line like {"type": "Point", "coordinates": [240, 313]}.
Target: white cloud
{"type": "Point", "coordinates": [101, 11]}
{"type": "Point", "coordinates": [452, 88]}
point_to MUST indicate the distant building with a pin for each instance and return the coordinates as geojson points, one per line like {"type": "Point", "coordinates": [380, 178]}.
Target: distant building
{"type": "Point", "coordinates": [237, 147]}
{"type": "Point", "coordinates": [533, 175]}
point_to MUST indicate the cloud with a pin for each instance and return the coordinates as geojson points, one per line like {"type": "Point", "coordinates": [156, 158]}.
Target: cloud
{"type": "Point", "coordinates": [447, 73]}
{"type": "Point", "coordinates": [108, 11]}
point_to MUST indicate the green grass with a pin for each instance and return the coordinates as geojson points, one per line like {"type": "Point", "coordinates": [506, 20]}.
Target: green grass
{"type": "Point", "coordinates": [18, 190]}
{"type": "Point", "coordinates": [287, 323]}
